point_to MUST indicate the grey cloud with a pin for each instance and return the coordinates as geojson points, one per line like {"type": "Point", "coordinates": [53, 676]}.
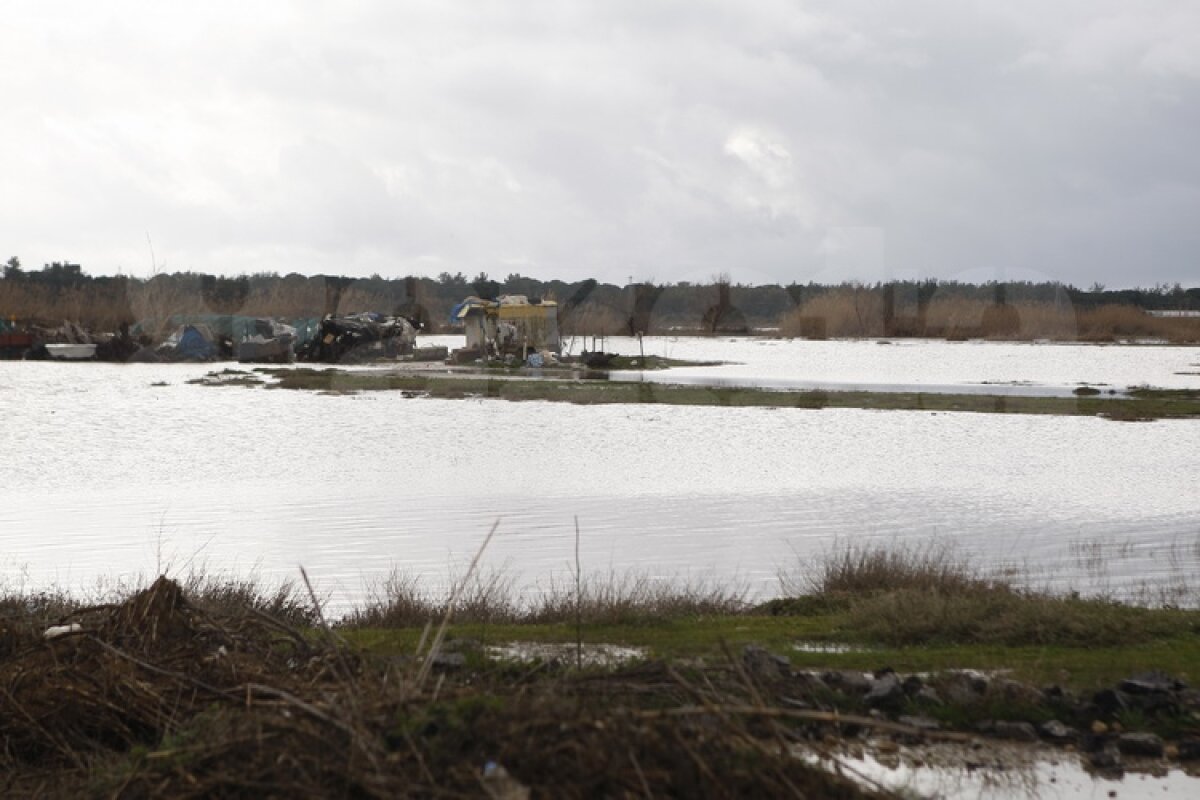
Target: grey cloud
{"type": "Point", "coordinates": [670, 140]}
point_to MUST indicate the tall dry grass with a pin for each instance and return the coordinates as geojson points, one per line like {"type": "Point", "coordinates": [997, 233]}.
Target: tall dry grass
{"type": "Point", "coordinates": [404, 600]}
{"type": "Point", "coordinates": [849, 569]}
{"type": "Point", "coordinates": [847, 312]}
{"type": "Point", "coordinates": [613, 598]}
{"type": "Point", "coordinates": [861, 312]}
{"type": "Point", "coordinates": [593, 319]}
{"type": "Point", "coordinates": [102, 309]}
{"type": "Point", "coordinates": [914, 594]}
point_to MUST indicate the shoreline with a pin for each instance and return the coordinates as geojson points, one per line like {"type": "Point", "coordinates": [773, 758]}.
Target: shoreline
{"type": "Point", "coordinates": [1136, 404]}
{"type": "Point", "coordinates": [256, 680]}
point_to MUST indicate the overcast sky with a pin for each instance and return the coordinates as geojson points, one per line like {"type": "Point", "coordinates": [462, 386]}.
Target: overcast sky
{"type": "Point", "coordinates": [775, 141]}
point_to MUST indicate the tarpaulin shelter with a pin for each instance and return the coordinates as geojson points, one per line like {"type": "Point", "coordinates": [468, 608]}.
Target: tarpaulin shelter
{"type": "Point", "coordinates": [190, 343]}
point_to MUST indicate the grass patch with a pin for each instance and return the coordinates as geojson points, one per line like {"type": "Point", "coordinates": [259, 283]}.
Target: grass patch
{"type": "Point", "coordinates": [653, 362]}
{"type": "Point", "coordinates": [1005, 616]}
{"type": "Point", "coordinates": [930, 594]}
{"type": "Point", "coordinates": [402, 600]}
{"type": "Point", "coordinates": [286, 601]}
{"type": "Point", "coordinates": [918, 608]}
{"type": "Point", "coordinates": [613, 362]}
{"type": "Point", "coordinates": [489, 597]}
{"type": "Point", "coordinates": [1139, 404]}
{"type": "Point", "coordinates": [194, 688]}
{"type": "Point", "coordinates": [228, 377]}
{"type": "Point", "coordinates": [1076, 667]}
{"type": "Point", "coordinates": [854, 570]}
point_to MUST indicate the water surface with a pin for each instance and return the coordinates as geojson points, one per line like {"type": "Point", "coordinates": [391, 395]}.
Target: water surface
{"type": "Point", "coordinates": [108, 474]}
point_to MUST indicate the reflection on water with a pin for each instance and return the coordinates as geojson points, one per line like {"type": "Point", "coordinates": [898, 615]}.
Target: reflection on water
{"type": "Point", "coordinates": [716, 377]}
{"type": "Point", "coordinates": [1005, 771]}
{"type": "Point", "coordinates": [106, 473]}
{"type": "Point", "coordinates": [921, 363]}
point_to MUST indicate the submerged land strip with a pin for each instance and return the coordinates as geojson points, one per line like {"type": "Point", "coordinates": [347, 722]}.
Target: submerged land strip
{"type": "Point", "coordinates": [1134, 404]}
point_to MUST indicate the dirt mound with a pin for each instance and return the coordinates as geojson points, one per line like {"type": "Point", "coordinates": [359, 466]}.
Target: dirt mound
{"type": "Point", "coordinates": [155, 697]}
{"type": "Point", "coordinates": [112, 677]}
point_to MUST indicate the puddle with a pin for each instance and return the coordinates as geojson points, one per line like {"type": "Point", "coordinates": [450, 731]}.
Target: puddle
{"type": "Point", "coordinates": [715, 378]}
{"type": "Point", "coordinates": [827, 647]}
{"type": "Point", "coordinates": [1002, 771]}
{"type": "Point", "coordinates": [592, 655]}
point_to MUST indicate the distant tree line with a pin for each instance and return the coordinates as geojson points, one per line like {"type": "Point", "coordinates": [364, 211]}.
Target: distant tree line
{"type": "Point", "coordinates": [62, 290]}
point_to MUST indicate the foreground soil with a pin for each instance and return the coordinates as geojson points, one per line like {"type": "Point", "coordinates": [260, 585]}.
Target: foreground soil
{"type": "Point", "coordinates": [157, 696]}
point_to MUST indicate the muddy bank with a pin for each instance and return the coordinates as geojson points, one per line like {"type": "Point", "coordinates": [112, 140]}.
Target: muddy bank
{"type": "Point", "coordinates": [1139, 404]}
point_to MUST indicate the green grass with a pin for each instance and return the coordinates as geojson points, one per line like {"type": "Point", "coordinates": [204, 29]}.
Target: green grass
{"type": "Point", "coordinates": [1005, 616]}
{"type": "Point", "coordinates": [677, 638]}
{"type": "Point", "coordinates": [645, 364]}
{"type": "Point", "coordinates": [1140, 404]}
{"type": "Point", "coordinates": [1073, 666]}
{"type": "Point", "coordinates": [655, 363]}
{"type": "Point", "coordinates": [228, 377]}
{"type": "Point", "coordinates": [914, 608]}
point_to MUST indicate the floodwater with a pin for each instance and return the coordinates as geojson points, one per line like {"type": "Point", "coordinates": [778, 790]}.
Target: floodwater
{"type": "Point", "coordinates": [917, 365]}
{"type": "Point", "coordinates": [1009, 771]}
{"type": "Point", "coordinates": [116, 472]}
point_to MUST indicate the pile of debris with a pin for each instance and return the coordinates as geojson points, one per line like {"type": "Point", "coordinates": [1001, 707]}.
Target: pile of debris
{"type": "Point", "coordinates": [215, 337]}
{"type": "Point", "coordinates": [270, 342]}
{"type": "Point", "coordinates": [194, 342]}
{"type": "Point", "coordinates": [15, 339]}
{"type": "Point", "coordinates": [155, 697]}
{"type": "Point", "coordinates": [68, 341]}
{"type": "Point", "coordinates": [360, 337]}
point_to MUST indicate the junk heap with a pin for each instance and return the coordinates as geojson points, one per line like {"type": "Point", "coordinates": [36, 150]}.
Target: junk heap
{"type": "Point", "coordinates": [360, 337]}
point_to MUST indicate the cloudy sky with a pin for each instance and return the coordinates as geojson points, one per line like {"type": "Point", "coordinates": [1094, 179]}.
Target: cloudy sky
{"type": "Point", "coordinates": [667, 140]}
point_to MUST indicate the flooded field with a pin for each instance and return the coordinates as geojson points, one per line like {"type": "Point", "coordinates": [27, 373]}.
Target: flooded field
{"type": "Point", "coordinates": [903, 364]}
{"type": "Point", "coordinates": [112, 472]}
{"type": "Point", "coordinates": [1006, 771]}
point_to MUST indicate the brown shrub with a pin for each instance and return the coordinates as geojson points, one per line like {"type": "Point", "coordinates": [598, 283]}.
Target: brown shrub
{"type": "Point", "coordinates": [491, 596]}
{"type": "Point", "coordinates": [155, 697]}
{"type": "Point", "coordinates": [612, 599]}
{"type": "Point", "coordinates": [845, 312]}
{"type": "Point", "coordinates": [860, 312]}
{"type": "Point", "coordinates": [594, 319]}
{"type": "Point", "coordinates": [873, 568]}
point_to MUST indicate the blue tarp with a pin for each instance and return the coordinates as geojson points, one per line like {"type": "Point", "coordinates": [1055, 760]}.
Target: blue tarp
{"type": "Point", "coordinates": [194, 346]}
{"type": "Point", "coordinates": [234, 327]}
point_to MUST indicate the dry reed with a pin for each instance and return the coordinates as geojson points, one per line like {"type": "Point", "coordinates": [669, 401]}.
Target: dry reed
{"type": "Point", "coordinates": [491, 596]}
{"type": "Point", "coordinates": [856, 312]}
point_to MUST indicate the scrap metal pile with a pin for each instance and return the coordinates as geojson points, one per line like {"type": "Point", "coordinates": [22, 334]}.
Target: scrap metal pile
{"type": "Point", "coordinates": [268, 342]}
{"type": "Point", "coordinates": [360, 337]}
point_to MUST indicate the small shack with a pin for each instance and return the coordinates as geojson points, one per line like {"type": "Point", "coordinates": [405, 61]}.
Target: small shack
{"type": "Point", "coordinates": [509, 324]}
